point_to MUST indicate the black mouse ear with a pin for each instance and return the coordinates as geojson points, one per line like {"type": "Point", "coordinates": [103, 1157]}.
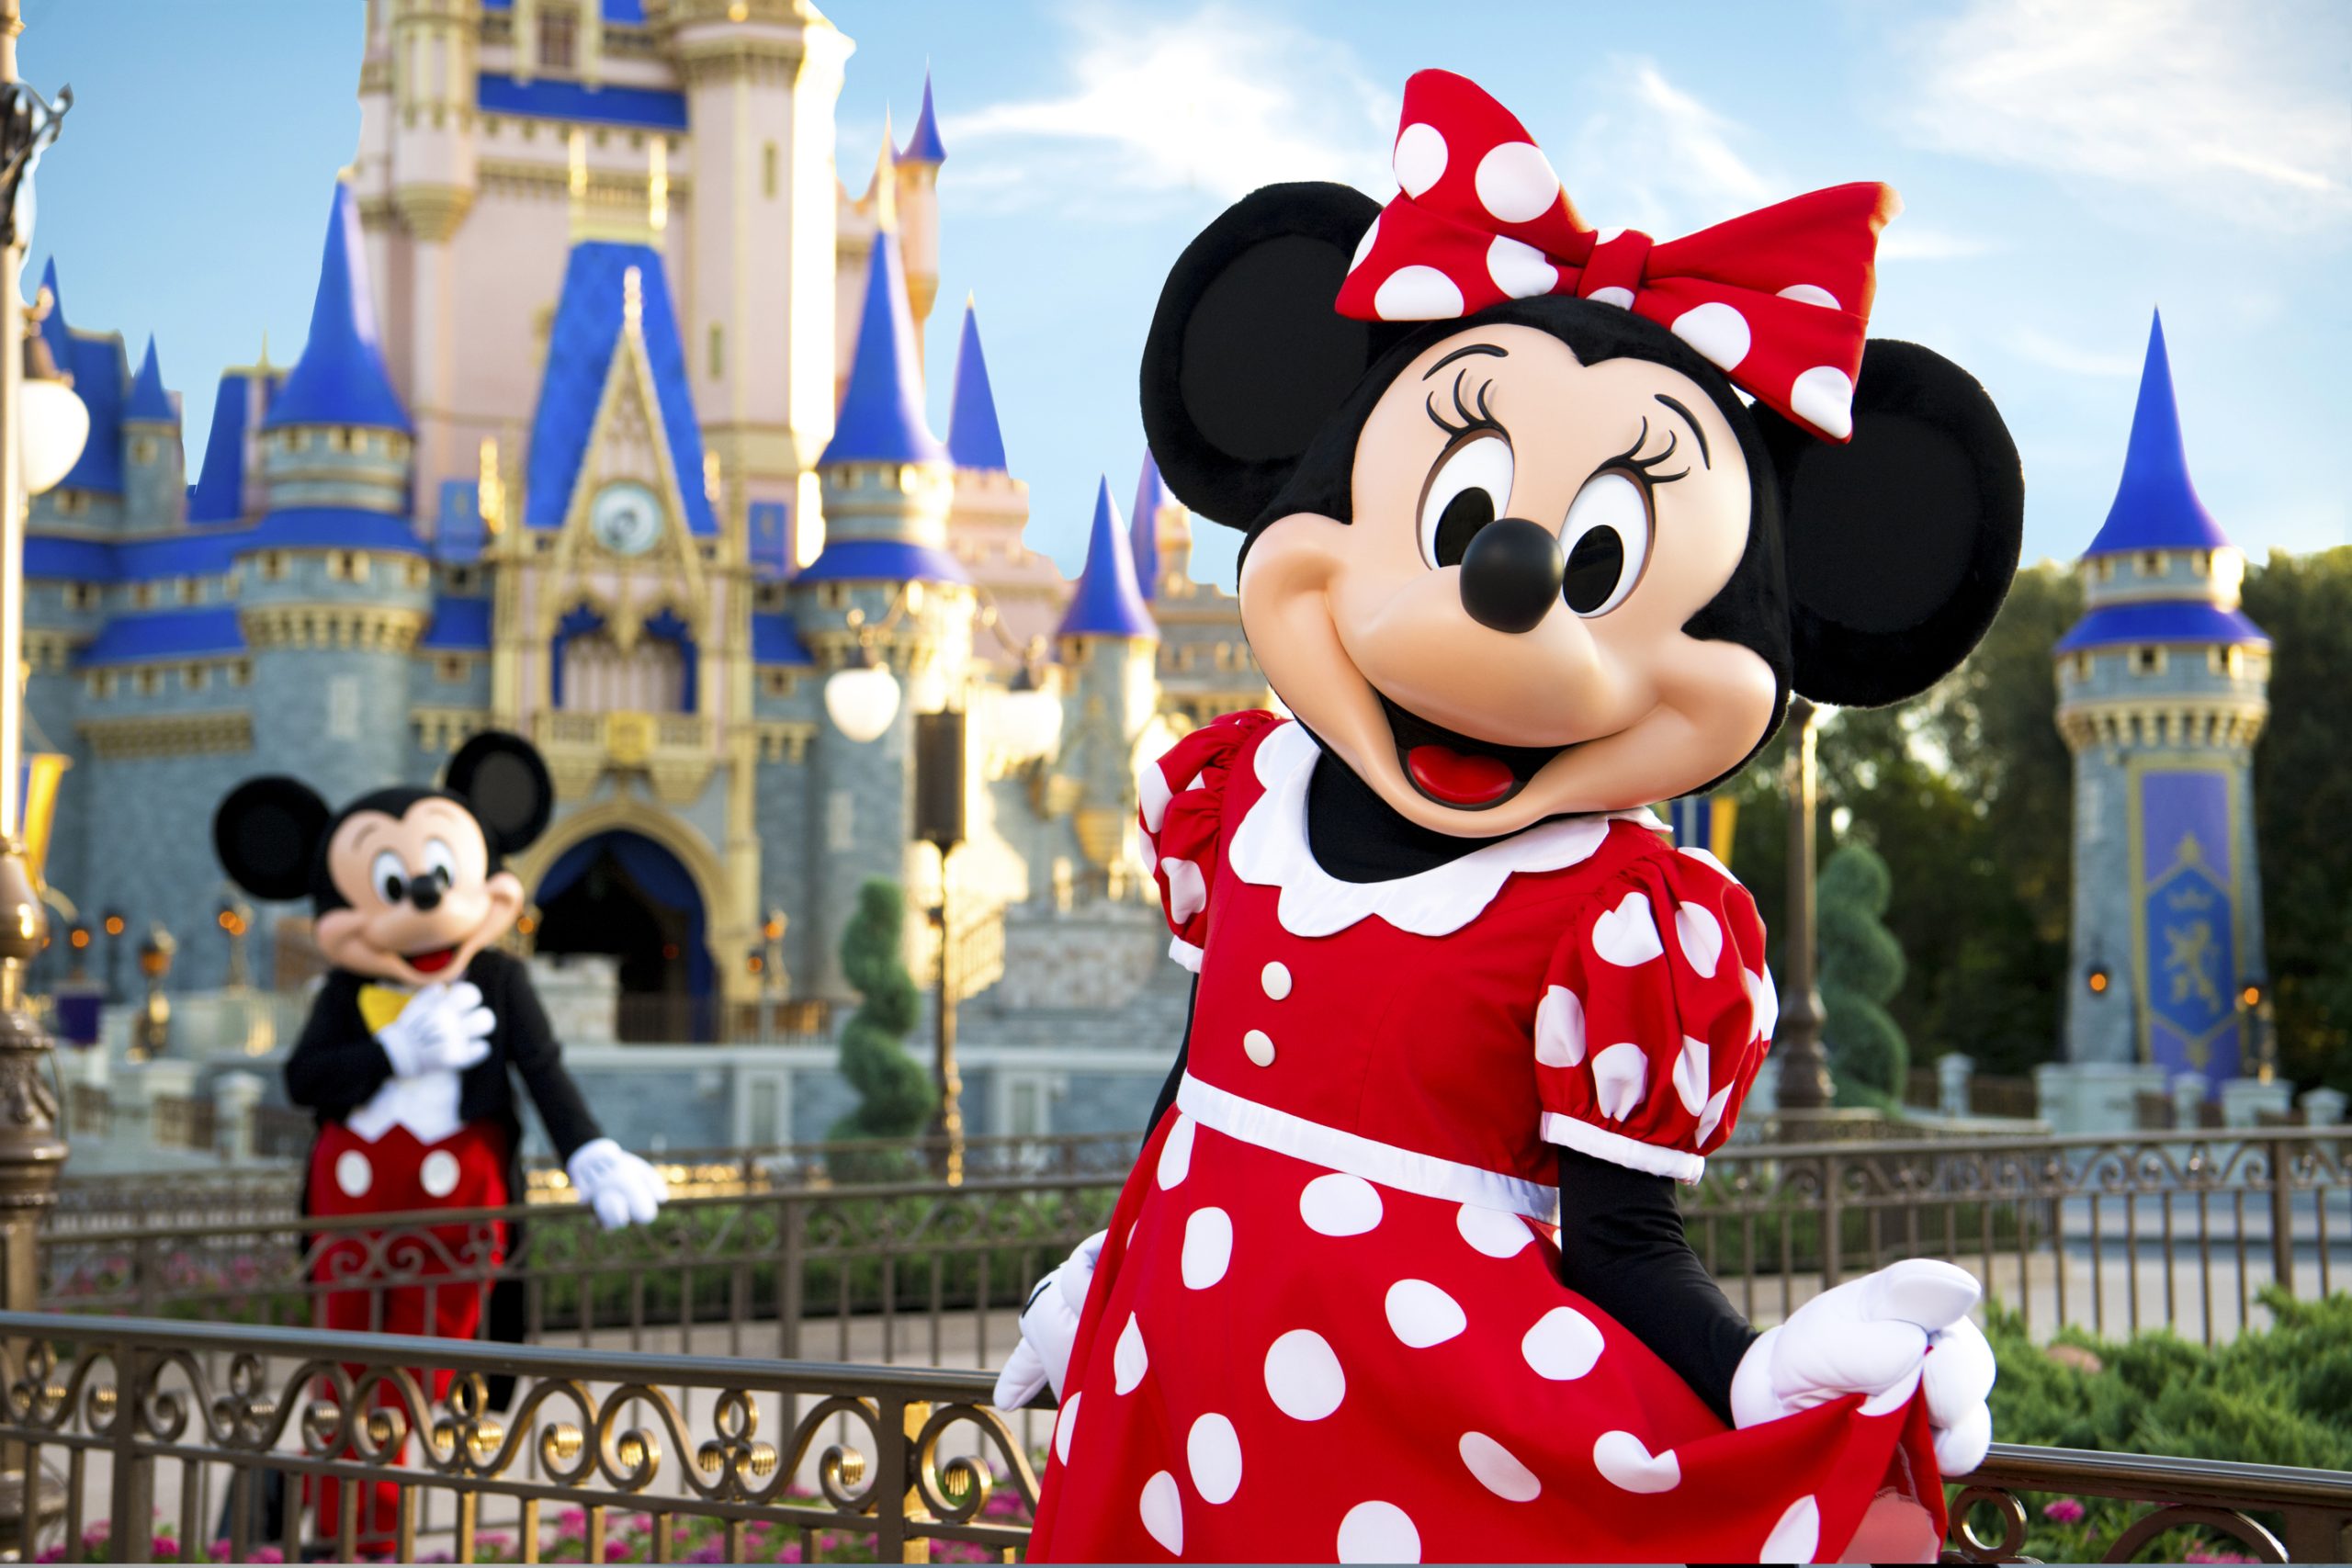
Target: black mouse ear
{"type": "Point", "coordinates": [1900, 544]}
{"type": "Point", "coordinates": [267, 834]}
{"type": "Point", "coordinates": [1247, 357]}
{"type": "Point", "coordinates": [505, 782]}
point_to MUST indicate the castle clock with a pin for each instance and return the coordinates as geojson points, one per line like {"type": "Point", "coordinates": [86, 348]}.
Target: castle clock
{"type": "Point", "coordinates": [626, 518]}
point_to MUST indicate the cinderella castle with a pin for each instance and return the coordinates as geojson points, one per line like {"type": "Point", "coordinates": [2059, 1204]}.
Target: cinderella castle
{"type": "Point", "coordinates": [609, 431]}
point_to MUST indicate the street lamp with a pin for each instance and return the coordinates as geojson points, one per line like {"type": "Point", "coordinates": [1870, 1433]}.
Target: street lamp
{"type": "Point", "coordinates": [236, 918]}
{"type": "Point", "coordinates": [114, 924]}
{"type": "Point", "coordinates": [1804, 1067]}
{"type": "Point", "coordinates": [939, 821]}
{"type": "Point", "coordinates": [152, 1030]}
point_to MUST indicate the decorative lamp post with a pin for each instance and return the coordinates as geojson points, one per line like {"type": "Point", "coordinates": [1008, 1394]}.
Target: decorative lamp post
{"type": "Point", "coordinates": [2257, 1045]}
{"type": "Point", "coordinates": [862, 698]}
{"type": "Point", "coordinates": [1804, 1068]}
{"type": "Point", "coordinates": [114, 923]}
{"type": "Point", "coordinates": [236, 918]}
{"type": "Point", "coordinates": [774, 980]}
{"type": "Point", "coordinates": [152, 1030]}
{"type": "Point", "coordinates": [39, 439]}
{"type": "Point", "coordinates": [939, 821]}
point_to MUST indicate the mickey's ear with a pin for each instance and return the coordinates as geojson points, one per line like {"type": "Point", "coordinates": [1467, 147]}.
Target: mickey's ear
{"type": "Point", "coordinates": [503, 778]}
{"type": "Point", "coordinates": [1900, 544]}
{"type": "Point", "coordinates": [267, 835]}
{"type": "Point", "coordinates": [1247, 357]}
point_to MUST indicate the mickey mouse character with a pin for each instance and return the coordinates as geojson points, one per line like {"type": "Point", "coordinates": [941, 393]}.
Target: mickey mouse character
{"type": "Point", "coordinates": [412, 1045]}
{"type": "Point", "coordinates": [1543, 525]}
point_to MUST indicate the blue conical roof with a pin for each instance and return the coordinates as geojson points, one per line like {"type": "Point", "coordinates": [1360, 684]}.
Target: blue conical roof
{"type": "Point", "coordinates": [924, 146]}
{"type": "Point", "coordinates": [218, 493]}
{"type": "Point", "coordinates": [1106, 601]}
{"type": "Point", "coordinates": [2155, 505]}
{"type": "Point", "coordinates": [1151, 494]}
{"type": "Point", "coordinates": [149, 401]}
{"type": "Point", "coordinates": [341, 378]}
{"type": "Point", "coordinates": [53, 330]}
{"type": "Point", "coordinates": [974, 439]}
{"type": "Point", "coordinates": [881, 418]}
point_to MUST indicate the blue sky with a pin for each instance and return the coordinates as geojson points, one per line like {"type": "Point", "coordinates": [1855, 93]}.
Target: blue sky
{"type": "Point", "coordinates": [2065, 165]}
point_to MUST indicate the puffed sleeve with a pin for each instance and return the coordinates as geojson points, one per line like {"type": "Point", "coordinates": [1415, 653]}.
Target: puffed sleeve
{"type": "Point", "coordinates": [1181, 806]}
{"type": "Point", "coordinates": [1655, 1012]}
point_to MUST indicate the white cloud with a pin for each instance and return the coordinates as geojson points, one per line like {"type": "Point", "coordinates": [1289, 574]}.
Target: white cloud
{"type": "Point", "coordinates": [1653, 157]}
{"type": "Point", "coordinates": [2235, 112]}
{"type": "Point", "coordinates": [1905, 240]}
{"type": "Point", "coordinates": [1217, 103]}
{"type": "Point", "coordinates": [2056, 353]}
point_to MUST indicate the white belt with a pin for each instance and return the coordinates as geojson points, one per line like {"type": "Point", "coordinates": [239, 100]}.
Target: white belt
{"type": "Point", "coordinates": [1407, 1170]}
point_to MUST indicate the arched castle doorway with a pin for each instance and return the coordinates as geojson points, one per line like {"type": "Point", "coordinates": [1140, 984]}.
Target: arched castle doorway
{"type": "Point", "coordinates": [621, 895]}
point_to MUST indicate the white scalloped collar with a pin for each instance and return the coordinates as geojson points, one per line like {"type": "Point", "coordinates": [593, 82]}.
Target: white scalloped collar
{"type": "Point", "coordinates": [1270, 850]}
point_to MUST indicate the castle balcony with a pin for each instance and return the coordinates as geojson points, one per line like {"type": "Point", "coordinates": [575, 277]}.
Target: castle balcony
{"type": "Point", "coordinates": [677, 751]}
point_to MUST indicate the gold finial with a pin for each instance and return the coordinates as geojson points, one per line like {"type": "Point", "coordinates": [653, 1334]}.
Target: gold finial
{"type": "Point", "coordinates": [633, 299]}
{"type": "Point", "coordinates": [263, 363]}
{"type": "Point", "coordinates": [657, 183]}
{"type": "Point", "coordinates": [885, 194]}
{"type": "Point", "coordinates": [491, 488]}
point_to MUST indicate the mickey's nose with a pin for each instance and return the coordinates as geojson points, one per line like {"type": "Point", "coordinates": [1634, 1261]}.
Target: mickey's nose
{"type": "Point", "coordinates": [1510, 574]}
{"type": "Point", "coordinates": [426, 892]}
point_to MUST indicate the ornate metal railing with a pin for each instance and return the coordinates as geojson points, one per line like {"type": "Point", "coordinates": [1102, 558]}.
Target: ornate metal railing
{"type": "Point", "coordinates": [2308, 1512]}
{"type": "Point", "coordinates": [2111, 1234]}
{"type": "Point", "coordinates": [136, 1432]}
{"type": "Point", "coordinates": [145, 1440]}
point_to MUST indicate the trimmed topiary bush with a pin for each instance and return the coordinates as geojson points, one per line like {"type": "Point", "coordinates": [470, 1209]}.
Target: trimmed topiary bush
{"type": "Point", "coordinates": [1861, 968]}
{"type": "Point", "coordinates": [894, 1095]}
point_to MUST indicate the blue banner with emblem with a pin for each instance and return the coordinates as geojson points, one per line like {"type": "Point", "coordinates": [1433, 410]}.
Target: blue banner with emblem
{"type": "Point", "coordinates": [2186, 868]}
{"type": "Point", "coordinates": [1703, 822]}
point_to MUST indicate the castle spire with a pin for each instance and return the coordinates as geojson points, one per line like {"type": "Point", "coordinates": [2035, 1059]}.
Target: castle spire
{"type": "Point", "coordinates": [1106, 601]}
{"type": "Point", "coordinates": [881, 419]}
{"type": "Point", "coordinates": [923, 145]}
{"type": "Point", "coordinates": [2155, 504]}
{"type": "Point", "coordinates": [1143, 526]}
{"type": "Point", "coordinates": [149, 400]}
{"type": "Point", "coordinates": [882, 196]}
{"type": "Point", "coordinates": [974, 438]}
{"type": "Point", "coordinates": [341, 377]}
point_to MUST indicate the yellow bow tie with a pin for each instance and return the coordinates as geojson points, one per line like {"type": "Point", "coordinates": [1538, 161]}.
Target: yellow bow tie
{"type": "Point", "coordinates": [378, 1005]}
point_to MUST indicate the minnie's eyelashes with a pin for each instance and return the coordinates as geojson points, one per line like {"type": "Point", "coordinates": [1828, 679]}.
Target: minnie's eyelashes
{"type": "Point", "coordinates": [1631, 458]}
{"type": "Point", "coordinates": [1480, 418]}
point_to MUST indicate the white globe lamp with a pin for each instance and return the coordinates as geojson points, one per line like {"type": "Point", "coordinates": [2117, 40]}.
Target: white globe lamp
{"type": "Point", "coordinates": [862, 700]}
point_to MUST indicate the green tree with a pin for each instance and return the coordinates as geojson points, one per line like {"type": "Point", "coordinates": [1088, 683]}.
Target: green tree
{"type": "Point", "coordinates": [1862, 969]}
{"type": "Point", "coordinates": [2303, 798]}
{"type": "Point", "coordinates": [895, 1096]}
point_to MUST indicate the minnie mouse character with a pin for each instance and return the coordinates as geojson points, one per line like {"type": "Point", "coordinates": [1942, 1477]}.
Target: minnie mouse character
{"type": "Point", "coordinates": [1543, 525]}
{"type": "Point", "coordinates": [409, 1053]}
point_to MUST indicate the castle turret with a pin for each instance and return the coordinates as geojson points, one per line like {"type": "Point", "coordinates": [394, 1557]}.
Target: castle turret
{"type": "Point", "coordinates": [155, 466]}
{"type": "Point", "coordinates": [917, 174]}
{"type": "Point", "coordinates": [761, 84]}
{"type": "Point", "coordinates": [229, 486]}
{"type": "Point", "coordinates": [1107, 643]}
{"type": "Point", "coordinates": [990, 511]}
{"type": "Point", "coordinates": [91, 493]}
{"type": "Point", "coordinates": [334, 586]}
{"type": "Point", "coordinates": [1163, 530]}
{"type": "Point", "coordinates": [2161, 695]}
{"type": "Point", "coordinates": [887, 485]}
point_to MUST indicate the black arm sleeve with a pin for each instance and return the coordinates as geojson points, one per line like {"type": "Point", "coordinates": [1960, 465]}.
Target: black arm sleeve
{"type": "Point", "coordinates": [532, 1050]}
{"type": "Point", "coordinates": [1621, 1249]}
{"type": "Point", "coordinates": [1167, 1100]}
{"type": "Point", "coordinates": [336, 1063]}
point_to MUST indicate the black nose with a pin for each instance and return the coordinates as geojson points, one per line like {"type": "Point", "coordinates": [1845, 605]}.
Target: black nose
{"type": "Point", "coordinates": [426, 892]}
{"type": "Point", "coordinates": [1510, 574]}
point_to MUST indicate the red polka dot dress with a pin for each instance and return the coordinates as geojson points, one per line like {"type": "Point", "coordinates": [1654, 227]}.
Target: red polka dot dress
{"type": "Point", "coordinates": [1327, 1322]}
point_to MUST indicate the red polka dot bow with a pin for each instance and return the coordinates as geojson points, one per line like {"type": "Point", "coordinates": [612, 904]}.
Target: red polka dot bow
{"type": "Point", "coordinates": [1778, 299]}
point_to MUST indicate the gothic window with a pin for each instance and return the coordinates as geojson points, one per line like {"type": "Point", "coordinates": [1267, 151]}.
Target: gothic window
{"type": "Point", "coordinates": [148, 681]}
{"type": "Point", "coordinates": [2151, 563]}
{"type": "Point", "coordinates": [190, 591]}
{"type": "Point", "coordinates": [593, 673]}
{"type": "Point", "coordinates": [195, 677]}
{"type": "Point", "coordinates": [559, 40]}
{"type": "Point", "coordinates": [273, 566]}
{"type": "Point", "coordinates": [2146, 660]}
{"type": "Point", "coordinates": [142, 595]}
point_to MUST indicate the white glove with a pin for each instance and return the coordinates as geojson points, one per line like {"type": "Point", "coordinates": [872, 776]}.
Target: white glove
{"type": "Point", "coordinates": [1049, 1328]}
{"type": "Point", "coordinates": [443, 1028]}
{"type": "Point", "coordinates": [621, 1188]}
{"type": "Point", "coordinates": [1884, 1336]}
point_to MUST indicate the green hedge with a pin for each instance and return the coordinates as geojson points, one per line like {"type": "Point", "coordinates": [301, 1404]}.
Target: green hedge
{"type": "Point", "coordinates": [2278, 1396]}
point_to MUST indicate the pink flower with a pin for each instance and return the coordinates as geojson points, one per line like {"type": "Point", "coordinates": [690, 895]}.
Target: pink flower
{"type": "Point", "coordinates": [2063, 1511]}
{"type": "Point", "coordinates": [268, 1555]}
{"type": "Point", "coordinates": [572, 1521]}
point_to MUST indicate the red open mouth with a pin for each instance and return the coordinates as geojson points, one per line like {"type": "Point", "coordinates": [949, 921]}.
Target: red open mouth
{"type": "Point", "coordinates": [1458, 770]}
{"type": "Point", "coordinates": [431, 963]}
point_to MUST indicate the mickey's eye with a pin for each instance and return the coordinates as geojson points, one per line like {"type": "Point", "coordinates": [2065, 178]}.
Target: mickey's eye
{"type": "Point", "coordinates": [440, 861]}
{"type": "Point", "coordinates": [1606, 541]}
{"type": "Point", "coordinates": [389, 877]}
{"type": "Point", "coordinates": [1468, 489]}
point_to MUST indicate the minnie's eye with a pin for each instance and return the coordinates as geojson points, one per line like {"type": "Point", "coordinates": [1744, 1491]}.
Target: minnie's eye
{"type": "Point", "coordinates": [440, 860]}
{"type": "Point", "coordinates": [1467, 490]}
{"type": "Point", "coordinates": [389, 877]}
{"type": "Point", "coordinates": [1606, 541]}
